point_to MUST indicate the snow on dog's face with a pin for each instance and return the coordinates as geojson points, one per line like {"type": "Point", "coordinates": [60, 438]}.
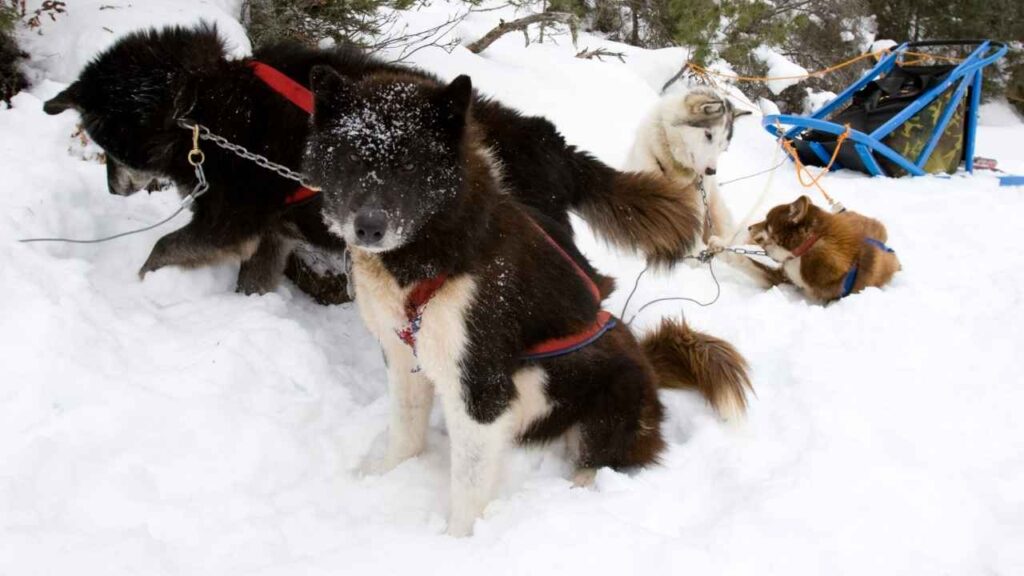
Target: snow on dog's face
{"type": "Point", "coordinates": [130, 95]}
{"type": "Point", "coordinates": [386, 154]}
{"type": "Point", "coordinates": [699, 127]}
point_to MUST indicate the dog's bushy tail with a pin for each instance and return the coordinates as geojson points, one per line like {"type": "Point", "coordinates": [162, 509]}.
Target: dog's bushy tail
{"type": "Point", "coordinates": [687, 359]}
{"type": "Point", "coordinates": [639, 211]}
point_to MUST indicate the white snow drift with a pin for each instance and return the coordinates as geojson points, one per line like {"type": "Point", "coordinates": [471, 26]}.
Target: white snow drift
{"type": "Point", "coordinates": [174, 427]}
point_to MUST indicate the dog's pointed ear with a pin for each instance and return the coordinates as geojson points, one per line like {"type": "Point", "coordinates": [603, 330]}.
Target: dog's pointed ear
{"type": "Point", "coordinates": [739, 112]}
{"type": "Point", "coordinates": [455, 99]}
{"type": "Point", "coordinates": [66, 100]}
{"type": "Point", "coordinates": [704, 104]}
{"type": "Point", "coordinates": [798, 209]}
{"type": "Point", "coordinates": [711, 109]}
{"type": "Point", "coordinates": [330, 89]}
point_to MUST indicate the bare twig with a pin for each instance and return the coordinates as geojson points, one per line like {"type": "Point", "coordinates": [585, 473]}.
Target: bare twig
{"type": "Point", "coordinates": [407, 43]}
{"type": "Point", "coordinates": [521, 24]}
{"type": "Point", "coordinates": [588, 54]}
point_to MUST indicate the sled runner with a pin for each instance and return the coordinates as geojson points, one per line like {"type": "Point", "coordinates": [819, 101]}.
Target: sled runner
{"type": "Point", "coordinates": [912, 113]}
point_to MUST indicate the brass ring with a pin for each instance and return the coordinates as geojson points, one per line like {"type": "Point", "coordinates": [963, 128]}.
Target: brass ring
{"type": "Point", "coordinates": [196, 157]}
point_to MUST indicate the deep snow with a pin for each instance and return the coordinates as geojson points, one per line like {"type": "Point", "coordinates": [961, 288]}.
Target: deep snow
{"type": "Point", "coordinates": [174, 427]}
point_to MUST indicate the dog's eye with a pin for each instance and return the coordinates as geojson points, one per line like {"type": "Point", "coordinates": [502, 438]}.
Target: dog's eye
{"type": "Point", "coordinates": [354, 157]}
{"type": "Point", "coordinates": [408, 167]}
{"type": "Point", "coordinates": [707, 134]}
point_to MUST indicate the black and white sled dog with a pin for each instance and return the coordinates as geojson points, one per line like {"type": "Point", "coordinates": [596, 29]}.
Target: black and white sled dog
{"type": "Point", "coordinates": [132, 96]}
{"type": "Point", "coordinates": [682, 138]}
{"type": "Point", "coordinates": [484, 300]}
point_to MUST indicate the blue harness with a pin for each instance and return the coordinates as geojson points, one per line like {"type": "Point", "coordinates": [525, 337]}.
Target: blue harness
{"type": "Point", "coordinates": [851, 276]}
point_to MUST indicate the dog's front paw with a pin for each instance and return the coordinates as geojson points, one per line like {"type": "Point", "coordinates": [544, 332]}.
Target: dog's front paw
{"type": "Point", "coordinates": [721, 250]}
{"type": "Point", "coordinates": [151, 265]}
{"type": "Point", "coordinates": [584, 478]}
{"type": "Point", "coordinates": [158, 257]}
{"type": "Point", "coordinates": [460, 526]}
{"type": "Point", "coordinates": [253, 284]}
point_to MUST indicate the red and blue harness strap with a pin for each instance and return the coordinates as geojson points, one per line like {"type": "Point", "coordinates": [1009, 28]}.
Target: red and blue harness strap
{"type": "Point", "coordinates": [421, 294]}
{"type": "Point", "coordinates": [567, 345]}
{"type": "Point", "coordinates": [298, 95]}
{"type": "Point", "coordinates": [851, 277]}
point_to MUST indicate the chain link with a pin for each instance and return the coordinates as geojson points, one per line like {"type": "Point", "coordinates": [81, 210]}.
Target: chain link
{"type": "Point", "coordinates": [744, 251]}
{"type": "Point", "coordinates": [242, 152]}
{"type": "Point", "coordinates": [705, 255]}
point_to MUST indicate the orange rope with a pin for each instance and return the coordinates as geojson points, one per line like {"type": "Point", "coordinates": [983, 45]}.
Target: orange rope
{"type": "Point", "coordinates": [923, 58]}
{"type": "Point", "coordinates": [702, 70]}
{"type": "Point", "coordinates": [801, 169]}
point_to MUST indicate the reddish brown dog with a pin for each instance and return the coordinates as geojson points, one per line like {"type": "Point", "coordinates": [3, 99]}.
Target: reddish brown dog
{"type": "Point", "coordinates": [828, 256]}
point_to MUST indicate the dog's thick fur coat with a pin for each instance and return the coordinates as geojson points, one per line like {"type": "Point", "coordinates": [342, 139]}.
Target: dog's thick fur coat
{"type": "Point", "coordinates": [410, 182]}
{"type": "Point", "coordinates": [820, 268]}
{"type": "Point", "coordinates": [132, 95]}
{"type": "Point", "coordinates": [682, 138]}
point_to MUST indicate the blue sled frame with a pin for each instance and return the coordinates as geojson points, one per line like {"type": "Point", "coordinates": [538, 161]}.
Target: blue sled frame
{"type": "Point", "coordinates": [967, 73]}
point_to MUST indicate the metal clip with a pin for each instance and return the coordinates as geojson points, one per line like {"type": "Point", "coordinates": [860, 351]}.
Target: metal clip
{"type": "Point", "coordinates": [196, 156]}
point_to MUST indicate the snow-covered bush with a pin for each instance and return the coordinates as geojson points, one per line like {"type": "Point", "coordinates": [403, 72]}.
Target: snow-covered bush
{"type": "Point", "coordinates": [812, 34]}
{"type": "Point", "coordinates": [313, 21]}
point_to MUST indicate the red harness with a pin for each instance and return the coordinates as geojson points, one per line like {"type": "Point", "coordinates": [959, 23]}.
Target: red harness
{"type": "Point", "coordinates": [806, 246]}
{"type": "Point", "coordinates": [298, 95]}
{"type": "Point", "coordinates": [424, 291]}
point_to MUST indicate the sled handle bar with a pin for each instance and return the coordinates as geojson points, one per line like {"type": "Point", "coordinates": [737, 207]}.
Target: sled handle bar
{"type": "Point", "coordinates": [927, 43]}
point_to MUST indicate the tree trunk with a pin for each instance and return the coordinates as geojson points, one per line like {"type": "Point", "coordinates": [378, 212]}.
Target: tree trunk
{"type": "Point", "coordinates": [634, 38]}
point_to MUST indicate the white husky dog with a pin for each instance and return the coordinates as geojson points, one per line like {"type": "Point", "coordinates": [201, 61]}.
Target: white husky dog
{"type": "Point", "coordinates": [682, 138]}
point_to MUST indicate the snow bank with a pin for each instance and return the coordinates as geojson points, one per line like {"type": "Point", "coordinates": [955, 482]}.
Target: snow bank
{"type": "Point", "coordinates": [173, 427]}
{"type": "Point", "coordinates": [999, 113]}
{"type": "Point", "coordinates": [879, 45]}
{"type": "Point", "coordinates": [787, 72]}
{"type": "Point", "coordinates": [60, 48]}
{"type": "Point", "coordinates": [816, 99]}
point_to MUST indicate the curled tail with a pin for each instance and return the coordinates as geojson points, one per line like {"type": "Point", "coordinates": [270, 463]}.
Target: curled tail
{"type": "Point", "coordinates": [632, 210]}
{"type": "Point", "coordinates": [639, 211]}
{"type": "Point", "coordinates": [687, 359]}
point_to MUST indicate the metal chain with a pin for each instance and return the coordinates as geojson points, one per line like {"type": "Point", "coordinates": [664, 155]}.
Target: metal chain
{"type": "Point", "coordinates": [244, 153]}
{"type": "Point", "coordinates": [707, 254]}
{"type": "Point", "coordinates": [744, 251]}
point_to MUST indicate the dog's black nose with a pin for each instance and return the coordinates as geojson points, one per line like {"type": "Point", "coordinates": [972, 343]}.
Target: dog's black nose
{"type": "Point", "coordinates": [370, 226]}
{"type": "Point", "coordinates": [710, 171]}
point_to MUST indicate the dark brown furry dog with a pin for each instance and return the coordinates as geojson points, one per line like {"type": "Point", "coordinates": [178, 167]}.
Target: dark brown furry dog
{"type": "Point", "coordinates": [482, 299]}
{"type": "Point", "coordinates": [828, 256]}
{"type": "Point", "coordinates": [132, 95]}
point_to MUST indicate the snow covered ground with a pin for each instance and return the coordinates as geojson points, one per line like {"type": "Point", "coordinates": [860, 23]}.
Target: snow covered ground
{"type": "Point", "coordinates": [174, 427]}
